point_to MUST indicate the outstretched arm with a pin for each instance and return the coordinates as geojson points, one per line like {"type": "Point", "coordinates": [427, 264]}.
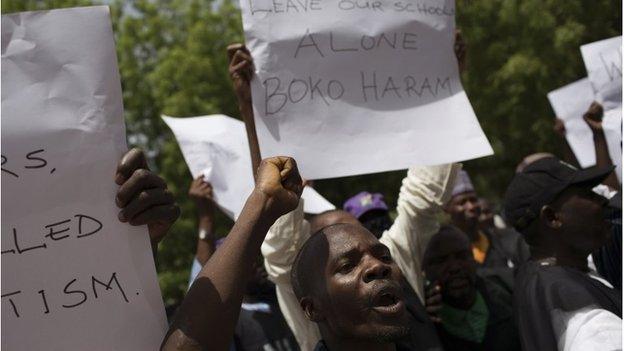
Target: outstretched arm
{"type": "Point", "coordinates": [593, 118]}
{"type": "Point", "coordinates": [208, 314]}
{"type": "Point", "coordinates": [241, 73]}
{"type": "Point", "coordinates": [423, 193]}
{"type": "Point", "coordinates": [201, 192]}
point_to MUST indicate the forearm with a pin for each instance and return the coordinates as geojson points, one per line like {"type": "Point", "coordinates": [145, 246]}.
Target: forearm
{"type": "Point", "coordinates": [206, 239]}
{"type": "Point", "coordinates": [208, 314]}
{"type": "Point", "coordinates": [246, 110]}
{"type": "Point", "coordinates": [603, 159]}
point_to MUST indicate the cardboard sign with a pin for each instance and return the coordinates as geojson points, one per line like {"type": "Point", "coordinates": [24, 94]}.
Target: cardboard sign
{"type": "Point", "coordinates": [73, 276]}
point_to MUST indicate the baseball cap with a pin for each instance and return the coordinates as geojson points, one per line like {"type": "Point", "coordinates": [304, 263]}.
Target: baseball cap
{"type": "Point", "coordinates": [364, 202]}
{"type": "Point", "coordinates": [540, 183]}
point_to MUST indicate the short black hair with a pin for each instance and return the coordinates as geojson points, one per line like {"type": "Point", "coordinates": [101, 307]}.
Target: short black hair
{"type": "Point", "coordinates": [301, 276]}
{"type": "Point", "coordinates": [446, 232]}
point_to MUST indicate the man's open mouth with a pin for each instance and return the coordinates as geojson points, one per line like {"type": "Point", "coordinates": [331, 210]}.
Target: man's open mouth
{"type": "Point", "coordinates": [388, 301]}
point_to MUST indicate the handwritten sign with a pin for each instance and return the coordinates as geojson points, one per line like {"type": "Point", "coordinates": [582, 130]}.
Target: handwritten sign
{"type": "Point", "coordinates": [603, 61]}
{"type": "Point", "coordinates": [73, 276]}
{"type": "Point", "coordinates": [217, 147]}
{"type": "Point", "coordinates": [351, 87]}
{"type": "Point", "coordinates": [569, 104]}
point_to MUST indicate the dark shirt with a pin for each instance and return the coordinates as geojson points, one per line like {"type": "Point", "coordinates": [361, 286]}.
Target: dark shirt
{"type": "Point", "coordinates": [543, 287]}
{"type": "Point", "coordinates": [261, 326]}
{"type": "Point", "coordinates": [501, 332]}
{"type": "Point", "coordinates": [320, 346]}
{"type": "Point", "coordinates": [608, 259]}
{"type": "Point", "coordinates": [507, 252]}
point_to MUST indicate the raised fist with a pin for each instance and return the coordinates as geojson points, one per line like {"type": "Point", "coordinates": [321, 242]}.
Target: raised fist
{"type": "Point", "coordinates": [143, 196]}
{"type": "Point", "coordinates": [279, 180]}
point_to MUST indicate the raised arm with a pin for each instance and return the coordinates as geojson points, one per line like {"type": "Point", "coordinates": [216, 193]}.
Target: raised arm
{"type": "Point", "coordinates": [208, 314]}
{"type": "Point", "coordinates": [593, 118]}
{"type": "Point", "coordinates": [241, 73]}
{"type": "Point", "coordinates": [201, 193]}
{"type": "Point", "coordinates": [280, 247]}
{"type": "Point", "coordinates": [423, 193]}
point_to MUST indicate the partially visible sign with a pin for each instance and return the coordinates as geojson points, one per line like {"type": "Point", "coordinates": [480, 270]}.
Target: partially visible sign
{"type": "Point", "coordinates": [217, 147]}
{"type": "Point", "coordinates": [73, 276]}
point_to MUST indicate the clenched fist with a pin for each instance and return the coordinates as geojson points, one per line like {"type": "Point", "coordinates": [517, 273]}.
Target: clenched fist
{"type": "Point", "coordinates": [143, 196]}
{"type": "Point", "coordinates": [278, 179]}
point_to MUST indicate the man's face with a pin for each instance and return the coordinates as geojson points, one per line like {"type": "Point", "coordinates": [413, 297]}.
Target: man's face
{"type": "Point", "coordinates": [363, 298]}
{"type": "Point", "coordinates": [451, 264]}
{"type": "Point", "coordinates": [464, 210]}
{"type": "Point", "coordinates": [582, 214]}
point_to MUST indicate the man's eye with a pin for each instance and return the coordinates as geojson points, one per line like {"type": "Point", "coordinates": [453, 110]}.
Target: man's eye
{"type": "Point", "coordinates": [386, 258]}
{"type": "Point", "coordinates": [345, 268]}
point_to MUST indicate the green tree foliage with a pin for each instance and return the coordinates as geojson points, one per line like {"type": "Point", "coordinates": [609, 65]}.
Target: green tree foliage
{"type": "Point", "coordinates": [172, 61]}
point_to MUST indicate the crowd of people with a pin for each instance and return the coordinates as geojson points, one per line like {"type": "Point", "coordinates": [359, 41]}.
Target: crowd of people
{"type": "Point", "coordinates": [543, 274]}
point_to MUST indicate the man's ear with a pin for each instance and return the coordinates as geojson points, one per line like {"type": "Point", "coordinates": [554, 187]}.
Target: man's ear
{"type": "Point", "coordinates": [311, 310]}
{"type": "Point", "coordinates": [550, 217]}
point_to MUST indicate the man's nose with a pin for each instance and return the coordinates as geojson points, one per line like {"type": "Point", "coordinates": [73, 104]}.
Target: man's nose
{"type": "Point", "coordinates": [376, 270]}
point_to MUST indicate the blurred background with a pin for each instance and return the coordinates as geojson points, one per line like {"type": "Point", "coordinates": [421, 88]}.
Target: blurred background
{"type": "Point", "coordinates": [172, 61]}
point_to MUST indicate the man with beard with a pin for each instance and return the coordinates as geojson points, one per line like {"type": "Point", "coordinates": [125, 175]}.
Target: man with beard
{"type": "Point", "coordinates": [498, 252]}
{"type": "Point", "coordinates": [475, 313]}
{"type": "Point", "coordinates": [261, 325]}
{"type": "Point", "coordinates": [558, 303]}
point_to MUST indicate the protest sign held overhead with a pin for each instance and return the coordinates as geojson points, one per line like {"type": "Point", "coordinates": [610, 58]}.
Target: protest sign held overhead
{"type": "Point", "coordinates": [216, 146]}
{"type": "Point", "coordinates": [603, 61]}
{"type": "Point", "coordinates": [73, 276]}
{"type": "Point", "coordinates": [569, 104]}
{"type": "Point", "coordinates": [374, 83]}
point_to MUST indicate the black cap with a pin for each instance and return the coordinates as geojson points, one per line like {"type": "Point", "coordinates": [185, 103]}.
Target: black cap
{"type": "Point", "coordinates": [540, 183]}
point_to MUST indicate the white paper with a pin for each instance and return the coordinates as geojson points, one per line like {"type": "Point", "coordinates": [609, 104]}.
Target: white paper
{"type": "Point", "coordinates": [603, 61]}
{"type": "Point", "coordinates": [324, 54]}
{"type": "Point", "coordinates": [62, 136]}
{"type": "Point", "coordinates": [217, 147]}
{"type": "Point", "coordinates": [569, 104]}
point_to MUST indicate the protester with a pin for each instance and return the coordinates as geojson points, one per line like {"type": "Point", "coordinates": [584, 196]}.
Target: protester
{"type": "Point", "coordinates": [557, 302]}
{"type": "Point", "coordinates": [498, 252]}
{"type": "Point", "coordinates": [422, 195]}
{"type": "Point", "coordinates": [371, 210]}
{"type": "Point", "coordinates": [347, 283]}
{"type": "Point", "coordinates": [475, 313]}
{"type": "Point", "coordinates": [208, 314]}
{"type": "Point", "coordinates": [424, 191]}
{"type": "Point", "coordinates": [260, 325]}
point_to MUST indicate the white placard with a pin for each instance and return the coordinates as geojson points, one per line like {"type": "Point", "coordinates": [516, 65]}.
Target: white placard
{"type": "Point", "coordinates": [351, 87]}
{"type": "Point", "coordinates": [603, 61]}
{"type": "Point", "coordinates": [73, 276]}
{"type": "Point", "coordinates": [569, 104]}
{"type": "Point", "coordinates": [217, 147]}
